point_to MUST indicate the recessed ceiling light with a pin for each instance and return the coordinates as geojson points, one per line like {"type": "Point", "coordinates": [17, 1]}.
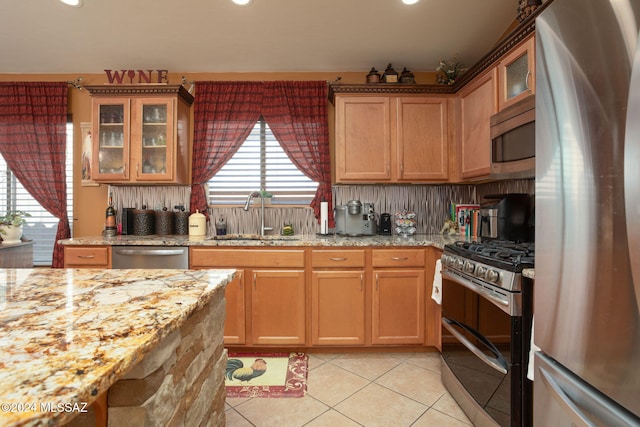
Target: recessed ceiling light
{"type": "Point", "coordinates": [74, 3]}
{"type": "Point", "coordinates": [410, 1]}
{"type": "Point", "coordinates": [242, 2]}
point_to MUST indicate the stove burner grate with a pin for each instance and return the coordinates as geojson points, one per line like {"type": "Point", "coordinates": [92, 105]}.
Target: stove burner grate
{"type": "Point", "coordinates": [514, 255]}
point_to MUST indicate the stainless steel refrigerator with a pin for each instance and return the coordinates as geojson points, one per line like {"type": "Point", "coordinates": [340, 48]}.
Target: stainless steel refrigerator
{"type": "Point", "coordinates": [587, 267]}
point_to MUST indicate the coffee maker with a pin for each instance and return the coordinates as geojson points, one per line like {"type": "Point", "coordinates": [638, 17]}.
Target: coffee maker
{"type": "Point", "coordinates": [356, 219]}
{"type": "Point", "coordinates": [507, 218]}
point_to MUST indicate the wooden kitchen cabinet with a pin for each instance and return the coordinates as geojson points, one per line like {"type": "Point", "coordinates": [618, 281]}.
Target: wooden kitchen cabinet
{"type": "Point", "coordinates": [516, 74]}
{"type": "Point", "coordinates": [477, 103]}
{"type": "Point", "coordinates": [398, 309]}
{"type": "Point", "coordinates": [141, 134]}
{"type": "Point", "coordinates": [235, 324]}
{"type": "Point", "coordinates": [268, 306]}
{"type": "Point", "coordinates": [278, 307]}
{"type": "Point", "coordinates": [327, 297]}
{"type": "Point", "coordinates": [338, 297]}
{"type": "Point", "coordinates": [391, 138]}
{"type": "Point", "coordinates": [87, 256]}
{"type": "Point", "coordinates": [363, 139]}
{"type": "Point", "coordinates": [422, 142]}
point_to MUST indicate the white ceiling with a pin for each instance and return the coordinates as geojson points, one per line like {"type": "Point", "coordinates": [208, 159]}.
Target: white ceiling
{"type": "Point", "coordinates": [45, 36]}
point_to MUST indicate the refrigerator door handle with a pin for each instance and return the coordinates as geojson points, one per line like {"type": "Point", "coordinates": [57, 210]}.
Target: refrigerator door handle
{"type": "Point", "coordinates": [632, 173]}
{"type": "Point", "coordinates": [582, 403]}
{"type": "Point", "coordinates": [564, 399]}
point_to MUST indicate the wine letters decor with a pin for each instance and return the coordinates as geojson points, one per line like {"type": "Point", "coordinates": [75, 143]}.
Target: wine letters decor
{"type": "Point", "coordinates": [137, 76]}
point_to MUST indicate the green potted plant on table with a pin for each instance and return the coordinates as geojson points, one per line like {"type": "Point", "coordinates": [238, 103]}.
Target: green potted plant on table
{"type": "Point", "coordinates": [11, 225]}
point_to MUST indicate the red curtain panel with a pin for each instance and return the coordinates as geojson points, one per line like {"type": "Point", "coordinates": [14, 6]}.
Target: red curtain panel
{"type": "Point", "coordinates": [296, 112]}
{"type": "Point", "coordinates": [224, 114]}
{"type": "Point", "coordinates": [33, 117]}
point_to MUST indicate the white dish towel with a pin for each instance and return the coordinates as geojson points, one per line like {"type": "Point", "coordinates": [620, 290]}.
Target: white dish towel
{"type": "Point", "coordinates": [532, 352]}
{"type": "Point", "coordinates": [436, 292]}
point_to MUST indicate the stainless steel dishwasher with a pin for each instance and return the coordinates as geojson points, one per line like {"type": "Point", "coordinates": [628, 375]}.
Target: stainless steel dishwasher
{"type": "Point", "coordinates": [150, 257]}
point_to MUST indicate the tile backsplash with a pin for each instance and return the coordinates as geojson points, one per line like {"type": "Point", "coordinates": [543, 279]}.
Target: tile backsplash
{"type": "Point", "coordinates": [429, 202]}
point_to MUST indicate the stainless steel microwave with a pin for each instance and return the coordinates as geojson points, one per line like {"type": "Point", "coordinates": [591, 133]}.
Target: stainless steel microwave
{"type": "Point", "coordinates": [513, 141]}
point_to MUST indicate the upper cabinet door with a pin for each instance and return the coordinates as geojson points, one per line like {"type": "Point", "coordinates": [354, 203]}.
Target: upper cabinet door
{"type": "Point", "coordinates": [111, 140]}
{"type": "Point", "coordinates": [363, 139]}
{"type": "Point", "coordinates": [516, 74]}
{"type": "Point", "coordinates": [422, 139]}
{"type": "Point", "coordinates": [152, 156]}
{"type": "Point", "coordinates": [477, 105]}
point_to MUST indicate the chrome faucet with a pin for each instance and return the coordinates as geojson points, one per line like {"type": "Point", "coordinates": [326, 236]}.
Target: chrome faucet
{"type": "Point", "coordinates": [246, 208]}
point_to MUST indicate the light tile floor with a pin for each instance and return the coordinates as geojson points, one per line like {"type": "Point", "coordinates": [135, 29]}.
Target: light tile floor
{"type": "Point", "coordinates": [379, 389]}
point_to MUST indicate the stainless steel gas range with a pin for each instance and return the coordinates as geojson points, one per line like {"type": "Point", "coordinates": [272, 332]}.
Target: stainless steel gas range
{"type": "Point", "coordinates": [487, 309]}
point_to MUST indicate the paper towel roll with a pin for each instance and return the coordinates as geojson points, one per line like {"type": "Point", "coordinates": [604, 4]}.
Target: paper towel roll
{"type": "Point", "coordinates": [324, 217]}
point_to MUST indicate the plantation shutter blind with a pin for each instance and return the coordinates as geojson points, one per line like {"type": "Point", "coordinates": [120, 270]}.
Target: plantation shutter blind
{"type": "Point", "coordinates": [260, 164]}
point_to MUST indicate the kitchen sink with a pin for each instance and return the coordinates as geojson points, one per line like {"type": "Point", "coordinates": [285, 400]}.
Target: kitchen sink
{"type": "Point", "coordinates": [252, 237]}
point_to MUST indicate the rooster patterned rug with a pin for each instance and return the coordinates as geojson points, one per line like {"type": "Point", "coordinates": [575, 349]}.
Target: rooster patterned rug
{"type": "Point", "coordinates": [266, 374]}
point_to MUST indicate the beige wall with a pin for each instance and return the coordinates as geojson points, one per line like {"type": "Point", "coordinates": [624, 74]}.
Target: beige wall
{"type": "Point", "coordinates": [90, 202]}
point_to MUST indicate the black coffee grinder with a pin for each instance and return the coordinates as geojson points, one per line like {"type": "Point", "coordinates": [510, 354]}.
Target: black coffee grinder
{"type": "Point", "coordinates": [385, 224]}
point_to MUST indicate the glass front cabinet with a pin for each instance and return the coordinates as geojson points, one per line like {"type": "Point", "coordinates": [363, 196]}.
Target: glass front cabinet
{"type": "Point", "coordinates": [516, 74]}
{"type": "Point", "coordinates": [141, 134]}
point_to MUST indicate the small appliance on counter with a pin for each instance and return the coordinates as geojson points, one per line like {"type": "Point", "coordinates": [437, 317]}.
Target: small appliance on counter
{"type": "Point", "coordinates": [127, 220]}
{"type": "Point", "coordinates": [508, 219]}
{"type": "Point", "coordinates": [356, 219]}
{"type": "Point", "coordinates": [385, 224]}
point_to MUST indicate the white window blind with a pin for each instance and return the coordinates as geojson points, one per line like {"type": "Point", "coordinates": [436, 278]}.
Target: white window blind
{"type": "Point", "coordinates": [41, 227]}
{"type": "Point", "coordinates": [261, 164]}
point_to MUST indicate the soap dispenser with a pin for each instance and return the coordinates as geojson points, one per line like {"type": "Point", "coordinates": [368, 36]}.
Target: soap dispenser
{"type": "Point", "coordinates": [221, 227]}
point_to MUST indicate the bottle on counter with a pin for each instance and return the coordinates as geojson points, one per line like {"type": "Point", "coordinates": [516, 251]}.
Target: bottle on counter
{"type": "Point", "coordinates": [110, 218]}
{"type": "Point", "coordinates": [221, 227]}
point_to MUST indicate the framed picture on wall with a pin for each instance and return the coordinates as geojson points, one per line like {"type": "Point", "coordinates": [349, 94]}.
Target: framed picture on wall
{"type": "Point", "coordinates": [87, 152]}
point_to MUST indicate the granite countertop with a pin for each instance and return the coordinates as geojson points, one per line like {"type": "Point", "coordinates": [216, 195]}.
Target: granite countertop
{"type": "Point", "coordinates": [67, 335]}
{"type": "Point", "coordinates": [529, 272]}
{"type": "Point", "coordinates": [436, 240]}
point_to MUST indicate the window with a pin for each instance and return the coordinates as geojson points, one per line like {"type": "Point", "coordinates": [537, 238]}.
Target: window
{"type": "Point", "coordinates": [41, 227]}
{"type": "Point", "coordinates": [261, 164]}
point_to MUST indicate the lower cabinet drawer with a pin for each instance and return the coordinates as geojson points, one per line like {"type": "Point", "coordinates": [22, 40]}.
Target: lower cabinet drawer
{"type": "Point", "coordinates": [220, 258]}
{"type": "Point", "coordinates": [95, 256]}
{"type": "Point", "coordinates": [398, 258]}
{"type": "Point", "coordinates": [337, 259]}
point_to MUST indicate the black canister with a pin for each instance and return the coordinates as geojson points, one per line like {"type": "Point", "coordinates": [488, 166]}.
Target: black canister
{"type": "Point", "coordinates": [127, 220]}
{"type": "Point", "coordinates": [181, 224]}
{"type": "Point", "coordinates": [164, 222]}
{"type": "Point", "coordinates": [143, 222]}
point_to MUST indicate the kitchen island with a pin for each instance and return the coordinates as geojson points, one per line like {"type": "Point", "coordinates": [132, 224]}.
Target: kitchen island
{"type": "Point", "coordinates": [152, 339]}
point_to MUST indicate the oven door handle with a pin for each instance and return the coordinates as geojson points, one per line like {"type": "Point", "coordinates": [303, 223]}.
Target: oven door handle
{"type": "Point", "coordinates": [502, 304]}
{"type": "Point", "coordinates": [498, 363]}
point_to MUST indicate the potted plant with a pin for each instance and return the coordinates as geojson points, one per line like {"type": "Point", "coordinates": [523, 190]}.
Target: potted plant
{"type": "Point", "coordinates": [267, 196]}
{"type": "Point", "coordinates": [11, 225]}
